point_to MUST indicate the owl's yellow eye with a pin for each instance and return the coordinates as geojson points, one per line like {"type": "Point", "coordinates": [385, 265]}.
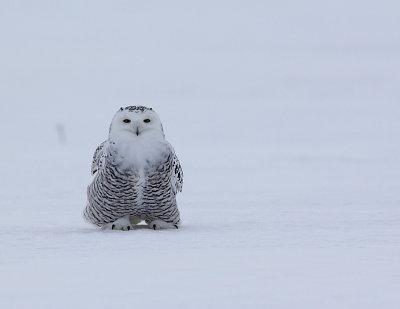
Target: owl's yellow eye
{"type": "Point", "coordinates": [127, 120]}
{"type": "Point", "coordinates": [146, 120]}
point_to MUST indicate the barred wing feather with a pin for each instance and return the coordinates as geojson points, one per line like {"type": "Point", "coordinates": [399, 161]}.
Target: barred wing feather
{"type": "Point", "coordinates": [98, 157]}
{"type": "Point", "coordinates": [177, 173]}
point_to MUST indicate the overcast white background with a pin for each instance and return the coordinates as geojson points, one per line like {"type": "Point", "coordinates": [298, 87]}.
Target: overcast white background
{"type": "Point", "coordinates": [285, 117]}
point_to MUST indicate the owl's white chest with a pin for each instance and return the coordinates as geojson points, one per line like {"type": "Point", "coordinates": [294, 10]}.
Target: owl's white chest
{"type": "Point", "coordinates": [137, 154]}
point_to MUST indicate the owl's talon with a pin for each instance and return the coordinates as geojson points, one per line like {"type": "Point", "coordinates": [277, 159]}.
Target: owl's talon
{"type": "Point", "coordinates": [121, 224]}
{"type": "Point", "coordinates": [160, 224]}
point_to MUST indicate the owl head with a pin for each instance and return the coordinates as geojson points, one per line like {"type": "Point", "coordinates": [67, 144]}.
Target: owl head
{"type": "Point", "coordinates": [137, 122]}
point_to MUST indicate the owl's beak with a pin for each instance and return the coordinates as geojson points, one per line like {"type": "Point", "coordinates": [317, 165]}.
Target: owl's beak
{"type": "Point", "coordinates": [137, 131]}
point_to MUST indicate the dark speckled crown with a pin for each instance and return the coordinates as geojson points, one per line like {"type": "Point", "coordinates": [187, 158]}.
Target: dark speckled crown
{"type": "Point", "coordinates": [136, 108]}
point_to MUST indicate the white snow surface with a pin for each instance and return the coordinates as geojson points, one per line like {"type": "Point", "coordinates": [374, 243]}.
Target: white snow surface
{"type": "Point", "coordinates": [284, 115]}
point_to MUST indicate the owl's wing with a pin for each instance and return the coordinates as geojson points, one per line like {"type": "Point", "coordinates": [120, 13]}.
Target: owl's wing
{"type": "Point", "coordinates": [177, 173]}
{"type": "Point", "coordinates": [98, 157]}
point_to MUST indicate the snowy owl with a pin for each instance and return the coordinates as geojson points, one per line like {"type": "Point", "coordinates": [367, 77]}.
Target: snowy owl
{"type": "Point", "coordinates": [136, 174]}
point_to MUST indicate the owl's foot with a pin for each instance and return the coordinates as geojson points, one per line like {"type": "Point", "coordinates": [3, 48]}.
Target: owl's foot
{"type": "Point", "coordinates": [122, 224]}
{"type": "Point", "coordinates": [160, 224]}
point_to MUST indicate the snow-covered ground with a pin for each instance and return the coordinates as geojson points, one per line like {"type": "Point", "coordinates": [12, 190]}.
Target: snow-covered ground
{"type": "Point", "coordinates": [284, 114]}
